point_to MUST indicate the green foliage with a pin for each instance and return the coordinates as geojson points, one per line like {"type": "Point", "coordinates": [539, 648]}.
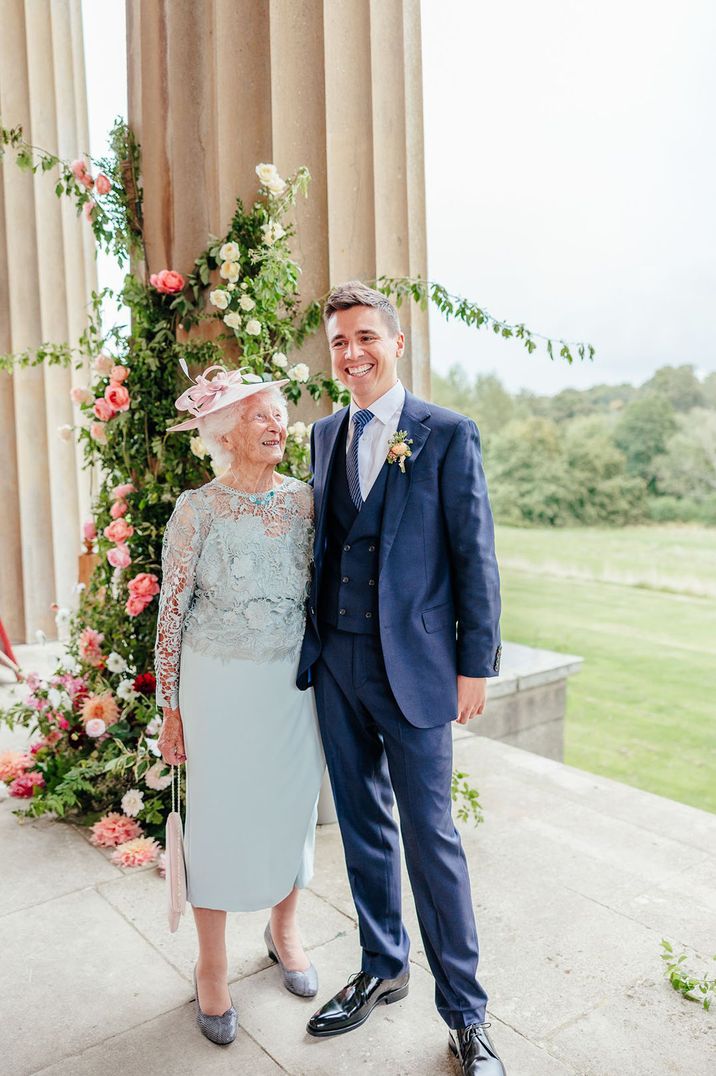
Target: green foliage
{"type": "Point", "coordinates": [677, 384]}
{"type": "Point", "coordinates": [468, 797]}
{"type": "Point", "coordinates": [687, 467]}
{"type": "Point", "coordinates": [642, 433]}
{"type": "Point", "coordinates": [690, 986]}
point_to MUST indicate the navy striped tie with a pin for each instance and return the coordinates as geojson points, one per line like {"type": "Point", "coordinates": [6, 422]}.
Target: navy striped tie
{"type": "Point", "coordinates": [360, 421]}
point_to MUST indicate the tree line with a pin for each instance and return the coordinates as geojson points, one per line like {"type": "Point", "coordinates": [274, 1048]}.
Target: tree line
{"type": "Point", "coordinates": [608, 455]}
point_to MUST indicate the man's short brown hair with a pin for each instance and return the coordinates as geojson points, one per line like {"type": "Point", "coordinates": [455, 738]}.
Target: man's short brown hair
{"type": "Point", "coordinates": [356, 293]}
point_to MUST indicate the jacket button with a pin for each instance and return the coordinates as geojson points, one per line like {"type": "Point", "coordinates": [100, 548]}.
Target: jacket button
{"type": "Point", "coordinates": [345, 579]}
{"type": "Point", "coordinates": [313, 611]}
{"type": "Point", "coordinates": [371, 582]}
{"type": "Point", "coordinates": [371, 549]}
{"type": "Point", "coordinates": [346, 549]}
{"type": "Point", "coordinates": [369, 615]}
{"type": "Point", "coordinates": [341, 612]}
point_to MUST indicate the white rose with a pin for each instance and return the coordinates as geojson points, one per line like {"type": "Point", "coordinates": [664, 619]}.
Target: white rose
{"type": "Point", "coordinates": [95, 727]}
{"type": "Point", "coordinates": [154, 726]}
{"type": "Point", "coordinates": [197, 446]}
{"type": "Point", "coordinates": [125, 691]}
{"type": "Point", "coordinates": [299, 372]}
{"type": "Point", "coordinates": [103, 364]}
{"type": "Point", "coordinates": [280, 360]}
{"type": "Point", "coordinates": [271, 232]}
{"type": "Point", "coordinates": [153, 747]}
{"type": "Point", "coordinates": [219, 298]}
{"type": "Point", "coordinates": [230, 271]}
{"type": "Point", "coordinates": [232, 320]}
{"type": "Point", "coordinates": [132, 802]}
{"type": "Point", "coordinates": [298, 430]}
{"type": "Point", "coordinates": [116, 663]}
{"type": "Point", "coordinates": [64, 432]}
{"type": "Point", "coordinates": [229, 252]}
{"type": "Point", "coordinates": [267, 173]}
{"type": "Point", "coordinates": [276, 185]}
{"type": "Point", "coordinates": [69, 664]}
{"type": "Point", "coordinates": [246, 302]}
{"type": "Point", "coordinates": [253, 327]}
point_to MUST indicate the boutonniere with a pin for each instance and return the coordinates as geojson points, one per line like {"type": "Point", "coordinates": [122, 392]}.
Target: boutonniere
{"type": "Point", "coordinates": [399, 448]}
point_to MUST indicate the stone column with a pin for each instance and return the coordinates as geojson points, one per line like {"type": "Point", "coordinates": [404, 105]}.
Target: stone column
{"type": "Point", "coordinates": [215, 88]}
{"type": "Point", "coordinates": [44, 298]}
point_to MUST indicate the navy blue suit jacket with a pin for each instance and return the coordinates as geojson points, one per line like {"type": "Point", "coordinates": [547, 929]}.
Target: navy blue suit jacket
{"type": "Point", "coordinates": [438, 587]}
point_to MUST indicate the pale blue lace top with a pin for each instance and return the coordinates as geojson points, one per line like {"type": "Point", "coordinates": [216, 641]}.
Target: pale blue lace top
{"type": "Point", "coordinates": [235, 575]}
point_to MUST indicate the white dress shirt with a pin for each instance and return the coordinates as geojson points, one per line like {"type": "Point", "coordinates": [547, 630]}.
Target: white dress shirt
{"type": "Point", "coordinates": [373, 445]}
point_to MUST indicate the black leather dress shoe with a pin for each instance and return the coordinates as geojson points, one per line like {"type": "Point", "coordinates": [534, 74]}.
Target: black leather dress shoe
{"type": "Point", "coordinates": [352, 1005]}
{"type": "Point", "coordinates": [475, 1051]}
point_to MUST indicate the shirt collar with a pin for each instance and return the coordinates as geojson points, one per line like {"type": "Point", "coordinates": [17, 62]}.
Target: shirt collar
{"type": "Point", "coordinates": [386, 405]}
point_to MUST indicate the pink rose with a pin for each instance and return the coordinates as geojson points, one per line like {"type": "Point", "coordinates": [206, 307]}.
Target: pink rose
{"type": "Point", "coordinates": [144, 586]}
{"type": "Point", "coordinates": [89, 206]}
{"type": "Point", "coordinates": [119, 508]}
{"type": "Point", "coordinates": [119, 531]}
{"type": "Point", "coordinates": [89, 530]}
{"type": "Point", "coordinates": [103, 184]}
{"type": "Point", "coordinates": [103, 364]}
{"type": "Point", "coordinates": [119, 556]}
{"type": "Point", "coordinates": [117, 396]}
{"type": "Point", "coordinates": [80, 395]}
{"type": "Point", "coordinates": [98, 433]}
{"type": "Point", "coordinates": [95, 727]}
{"type": "Point", "coordinates": [119, 373]}
{"type": "Point", "coordinates": [24, 785]}
{"type": "Point", "coordinates": [86, 180]}
{"type": "Point", "coordinates": [103, 410]}
{"type": "Point", "coordinates": [78, 168]}
{"type": "Point", "coordinates": [168, 282]}
{"type": "Point", "coordinates": [135, 606]}
{"type": "Point", "coordinates": [123, 490]}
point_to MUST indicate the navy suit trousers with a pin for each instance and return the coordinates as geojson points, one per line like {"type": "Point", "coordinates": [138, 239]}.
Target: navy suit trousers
{"type": "Point", "coordinates": [371, 753]}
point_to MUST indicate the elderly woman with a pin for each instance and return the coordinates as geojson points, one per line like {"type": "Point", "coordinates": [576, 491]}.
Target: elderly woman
{"type": "Point", "coordinates": [236, 559]}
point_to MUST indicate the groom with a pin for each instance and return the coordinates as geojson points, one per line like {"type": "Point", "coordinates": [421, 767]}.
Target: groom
{"type": "Point", "coordinates": [402, 630]}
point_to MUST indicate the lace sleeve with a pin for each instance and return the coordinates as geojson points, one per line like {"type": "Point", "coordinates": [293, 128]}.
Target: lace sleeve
{"type": "Point", "coordinates": [181, 547]}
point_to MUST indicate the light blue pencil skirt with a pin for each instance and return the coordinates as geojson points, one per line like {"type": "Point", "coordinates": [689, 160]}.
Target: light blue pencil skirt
{"type": "Point", "coordinates": [253, 774]}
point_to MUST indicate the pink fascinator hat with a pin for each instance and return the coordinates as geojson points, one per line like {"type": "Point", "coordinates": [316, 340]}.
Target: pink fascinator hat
{"type": "Point", "coordinates": [207, 395]}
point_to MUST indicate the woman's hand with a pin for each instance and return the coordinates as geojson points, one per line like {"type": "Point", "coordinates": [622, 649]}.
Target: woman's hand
{"type": "Point", "coordinates": [171, 737]}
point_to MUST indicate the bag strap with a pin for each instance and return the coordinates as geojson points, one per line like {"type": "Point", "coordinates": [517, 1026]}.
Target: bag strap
{"type": "Point", "coordinates": [176, 791]}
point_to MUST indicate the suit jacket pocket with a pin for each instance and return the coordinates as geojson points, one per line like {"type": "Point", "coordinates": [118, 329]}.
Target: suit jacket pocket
{"type": "Point", "coordinates": [440, 616]}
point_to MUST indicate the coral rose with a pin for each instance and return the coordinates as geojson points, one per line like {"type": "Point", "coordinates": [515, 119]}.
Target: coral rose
{"type": "Point", "coordinates": [98, 432]}
{"type": "Point", "coordinates": [168, 282]}
{"type": "Point", "coordinates": [119, 531]}
{"type": "Point", "coordinates": [114, 829]}
{"type": "Point", "coordinates": [123, 491]}
{"type": "Point", "coordinates": [80, 395]}
{"type": "Point", "coordinates": [135, 606]}
{"type": "Point", "coordinates": [119, 508]}
{"type": "Point", "coordinates": [89, 531]}
{"type": "Point", "coordinates": [119, 373]}
{"type": "Point", "coordinates": [78, 168]}
{"type": "Point", "coordinates": [117, 396]}
{"type": "Point", "coordinates": [144, 586]}
{"type": "Point", "coordinates": [12, 764]}
{"type": "Point", "coordinates": [103, 410]}
{"type": "Point", "coordinates": [104, 364]}
{"type": "Point", "coordinates": [103, 184]}
{"type": "Point", "coordinates": [119, 556]}
{"type": "Point", "coordinates": [89, 207]}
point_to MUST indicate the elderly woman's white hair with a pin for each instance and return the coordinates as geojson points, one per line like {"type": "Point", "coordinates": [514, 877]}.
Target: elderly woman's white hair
{"type": "Point", "coordinates": [213, 426]}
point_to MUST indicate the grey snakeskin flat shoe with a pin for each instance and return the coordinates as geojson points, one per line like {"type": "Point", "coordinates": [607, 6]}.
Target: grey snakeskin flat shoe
{"type": "Point", "coordinates": [218, 1029]}
{"type": "Point", "coordinates": [304, 984]}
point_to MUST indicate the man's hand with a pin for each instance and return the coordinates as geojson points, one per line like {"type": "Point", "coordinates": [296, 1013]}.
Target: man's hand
{"type": "Point", "coordinates": [171, 737]}
{"type": "Point", "coordinates": [471, 696]}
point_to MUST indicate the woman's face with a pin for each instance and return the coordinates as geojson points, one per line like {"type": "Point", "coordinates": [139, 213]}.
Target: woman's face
{"type": "Point", "coordinates": [259, 437]}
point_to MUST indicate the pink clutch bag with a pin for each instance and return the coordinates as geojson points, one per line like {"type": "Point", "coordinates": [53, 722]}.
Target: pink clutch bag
{"type": "Point", "coordinates": [175, 866]}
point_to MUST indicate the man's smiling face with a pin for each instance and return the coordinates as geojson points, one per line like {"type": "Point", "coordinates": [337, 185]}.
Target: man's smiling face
{"type": "Point", "coordinates": [364, 352]}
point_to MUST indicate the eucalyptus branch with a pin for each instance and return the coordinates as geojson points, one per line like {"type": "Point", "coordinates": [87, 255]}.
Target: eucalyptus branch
{"type": "Point", "coordinates": [424, 291]}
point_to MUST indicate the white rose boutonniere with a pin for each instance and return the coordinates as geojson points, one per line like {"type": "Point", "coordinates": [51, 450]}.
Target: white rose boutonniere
{"type": "Point", "coordinates": [399, 448]}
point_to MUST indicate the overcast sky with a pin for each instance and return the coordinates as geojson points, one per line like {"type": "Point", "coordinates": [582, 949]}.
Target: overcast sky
{"type": "Point", "coordinates": [570, 172]}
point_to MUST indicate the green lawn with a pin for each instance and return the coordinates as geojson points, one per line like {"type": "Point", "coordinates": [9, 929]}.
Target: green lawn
{"type": "Point", "coordinates": [639, 605]}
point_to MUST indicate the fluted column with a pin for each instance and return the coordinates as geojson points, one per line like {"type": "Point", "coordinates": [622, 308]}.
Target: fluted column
{"type": "Point", "coordinates": [44, 301]}
{"type": "Point", "coordinates": [331, 84]}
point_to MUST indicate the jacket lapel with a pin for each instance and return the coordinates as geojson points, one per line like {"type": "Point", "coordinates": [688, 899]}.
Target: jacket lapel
{"type": "Point", "coordinates": [326, 440]}
{"type": "Point", "coordinates": [398, 484]}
